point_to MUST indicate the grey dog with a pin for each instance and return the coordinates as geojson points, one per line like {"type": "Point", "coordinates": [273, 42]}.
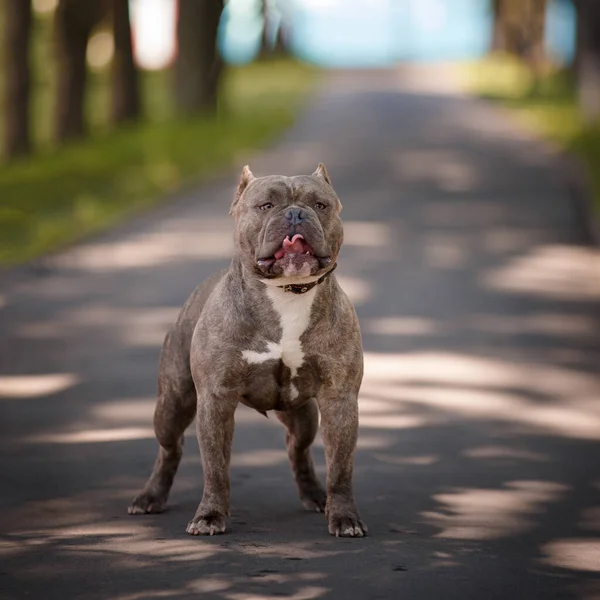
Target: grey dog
{"type": "Point", "coordinates": [276, 332]}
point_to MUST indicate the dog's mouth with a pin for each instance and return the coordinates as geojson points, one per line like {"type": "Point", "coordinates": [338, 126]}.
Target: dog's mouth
{"type": "Point", "coordinates": [297, 245]}
{"type": "Point", "coordinates": [295, 257]}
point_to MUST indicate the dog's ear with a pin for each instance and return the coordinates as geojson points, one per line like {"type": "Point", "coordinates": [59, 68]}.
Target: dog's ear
{"type": "Point", "coordinates": [322, 173]}
{"type": "Point", "coordinates": [245, 180]}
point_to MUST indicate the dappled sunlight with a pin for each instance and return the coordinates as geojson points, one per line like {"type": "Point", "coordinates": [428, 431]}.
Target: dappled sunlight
{"type": "Point", "coordinates": [445, 250]}
{"type": "Point", "coordinates": [8, 549]}
{"type": "Point", "coordinates": [561, 272]}
{"type": "Point", "coordinates": [417, 461]}
{"type": "Point", "coordinates": [574, 421]}
{"type": "Point", "coordinates": [437, 367]}
{"type": "Point", "coordinates": [504, 453]}
{"type": "Point", "coordinates": [142, 545]}
{"type": "Point", "coordinates": [368, 441]}
{"type": "Point", "coordinates": [259, 458]}
{"type": "Point", "coordinates": [137, 326]}
{"type": "Point", "coordinates": [125, 410]}
{"type": "Point", "coordinates": [557, 324]}
{"type": "Point", "coordinates": [298, 550]}
{"type": "Point", "coordinates": [409, 326]}
{"type": "Point", "coordinates": [477, 388]}
{"type": "Point", "coordinates": [477, 514]}
{"type": "Point", "coordinates": [85, 512]}
{"type": "Point", "coordinates": [359, 290]}
{"type": "Point", "coordinates": [447, 169]}
{"type": "Point", "coordinates": [456, 369]}
{"type": "Point", "coordinates": [304, 593]}
{"type": "Point", "coordinates": [391, 421]}
{"type": "Point", "coordinates": [549, 324]}
{"type": "Point", "coordinates": [204, 239]}
{"type": "Point", "coordinates": [575, 554]}
{"type": "Point", "coordinates": [93, 436]}
{"type": "Point", "coordinates": [509, 240]}
{"type": "Point", "coordinates": [465, 215]}
{"type": "Point", "coordinates": [34, 386]}
{"type": "Point", "coordinates": [226, 585]}
{"type": "Point", "coordinates": [590, 519]}
{"type": "Point", "coordinates": [369, 234]}
{"type": "Point", "coordinates": [52, 515]}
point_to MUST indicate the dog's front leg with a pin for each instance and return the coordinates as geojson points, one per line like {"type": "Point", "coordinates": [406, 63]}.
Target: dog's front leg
{"type": "Point", "coordinates": [214, 427]}
{"type": "Point", "coordinates": [339, 422]}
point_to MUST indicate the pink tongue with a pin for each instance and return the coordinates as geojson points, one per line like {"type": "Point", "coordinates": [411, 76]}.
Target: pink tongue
{"type": "Point", "coordinates": [294, 246]}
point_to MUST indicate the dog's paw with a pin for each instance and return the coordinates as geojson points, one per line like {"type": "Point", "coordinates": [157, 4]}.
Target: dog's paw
{"type": "Point", "coordinates": [147, 503]}
{"type": "Point", "coordinates": [346, 524]}
{"type": "Point", "coordinates": [208, 525]}
{"type": "Point", "coordinates": [314, 500]}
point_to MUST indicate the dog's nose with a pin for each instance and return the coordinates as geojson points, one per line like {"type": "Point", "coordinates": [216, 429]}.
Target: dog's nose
{"type": "Point", "coordinates": [294, 215]}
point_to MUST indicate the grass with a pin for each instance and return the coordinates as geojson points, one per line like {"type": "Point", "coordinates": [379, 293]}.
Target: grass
{"type": "Point", "coordinates": [548, 107]}
{"type": "Point", "coordinates": [60, 195]}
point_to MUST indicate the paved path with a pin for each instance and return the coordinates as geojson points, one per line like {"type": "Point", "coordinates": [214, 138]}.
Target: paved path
{"type": "Point", "coordinates": [478, 468]}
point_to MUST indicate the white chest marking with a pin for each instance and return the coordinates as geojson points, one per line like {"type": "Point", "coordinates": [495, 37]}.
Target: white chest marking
{"type": "Point", "coordinates": [294, 312]}
{"type": "Point", "coordinates": [273, 351]}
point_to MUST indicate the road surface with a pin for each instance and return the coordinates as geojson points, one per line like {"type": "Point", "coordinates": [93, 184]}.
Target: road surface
{"type": "Point", "coordinates": [478, 467]}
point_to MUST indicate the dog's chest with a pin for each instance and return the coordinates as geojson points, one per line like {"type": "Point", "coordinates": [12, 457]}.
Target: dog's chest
{"type": "Point", "coordinates": [281, 369]}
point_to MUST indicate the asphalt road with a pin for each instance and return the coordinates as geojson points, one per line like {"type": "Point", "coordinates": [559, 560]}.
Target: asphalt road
{"type": "Point", "coordinates": [478, 468]}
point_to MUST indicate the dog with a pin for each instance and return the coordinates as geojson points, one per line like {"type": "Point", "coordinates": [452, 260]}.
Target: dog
{"type": "Point", "coordinates": [275, 332]}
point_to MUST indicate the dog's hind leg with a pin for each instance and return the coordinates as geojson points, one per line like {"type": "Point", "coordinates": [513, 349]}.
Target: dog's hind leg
{"type": "Point", "coordinates": [302, 425]}
{"type": "Point", "coordinates": [175, 410]}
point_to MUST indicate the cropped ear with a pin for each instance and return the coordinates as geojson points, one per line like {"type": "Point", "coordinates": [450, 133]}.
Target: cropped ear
{"type": "Point", "coordinates": [322, 173]}
{"type": "Point", "coordinates": [245, 180]}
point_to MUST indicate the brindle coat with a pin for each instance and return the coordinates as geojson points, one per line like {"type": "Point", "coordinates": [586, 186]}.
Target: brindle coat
{"type": "Point", "coordinates": [203, 371]}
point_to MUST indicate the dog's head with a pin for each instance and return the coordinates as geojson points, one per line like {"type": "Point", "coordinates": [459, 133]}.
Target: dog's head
{"type": "Point", "coordinates": [287, 227]}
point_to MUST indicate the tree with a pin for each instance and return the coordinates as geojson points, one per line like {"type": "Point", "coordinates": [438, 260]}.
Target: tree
{"type": "Point", "coordinates": [74, 21]}
{"type": "Point", "coordinates": [198, 65]}
{"type": "Point", "coordinates": [534, 37]}
{"type": "Point", "coordinates": [574, 67]}
{"type": "Point", "coordinates": [499, 42]}
{"type": "Point", "coordinates": [274, 12]}
{"type": "Point", "coordinates": [265, 41]}
{"type": "Point", "coordinates": [17, 30]}
{"type": "Point", "coordinates": [126, 104]}
{"type": "Point", "coordinates": [588, 61]}
{"type": "Point", "coordinates": [519, 29]}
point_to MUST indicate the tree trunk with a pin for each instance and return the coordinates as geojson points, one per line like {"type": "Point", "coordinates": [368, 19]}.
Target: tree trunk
{"type": "Point", "coordinates": [519, 29]}
{"type": "Point", "coordinates": [198, 66]}
{"type": "Point", "coordinates": [281, 39]}
{"type": "Point", "coordinates": [498, 36]}
{"type": "Point", "coordinates": [265, 42]}
{"type": "Point", "coordinates": [126, 105]}
{"type": "Point", "coordinates": [73, 24]}
{"type": "Point", "coordinates": [535, 51]}
{"type": "Point", "coordinates": [588, 76]}
{"type": "Point", "coordinates": [574, 67]}
{"type": "Point", "coordinates": [17, 30]}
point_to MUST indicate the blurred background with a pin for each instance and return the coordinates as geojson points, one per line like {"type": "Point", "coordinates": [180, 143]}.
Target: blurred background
{"type": "Point", "coordinates": [109, 104]}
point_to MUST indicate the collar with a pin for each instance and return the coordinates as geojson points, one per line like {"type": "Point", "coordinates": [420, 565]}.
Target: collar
{"type": "Point", "coordinates": [302, 288]}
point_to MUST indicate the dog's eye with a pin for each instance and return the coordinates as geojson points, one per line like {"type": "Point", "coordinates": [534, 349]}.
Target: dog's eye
{"type": "Point", "coordinates": [266, 206]}
{"type": "Point", "coordinates": [320, 206]}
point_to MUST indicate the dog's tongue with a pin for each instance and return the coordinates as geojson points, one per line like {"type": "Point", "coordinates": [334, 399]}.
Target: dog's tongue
{"type": "Point", "coordinates": [296, 245]}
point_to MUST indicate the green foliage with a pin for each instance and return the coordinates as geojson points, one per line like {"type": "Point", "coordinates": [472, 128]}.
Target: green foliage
{"type": "Point", "coordinates": [547, 105]}
{"type": "Point", "coordinates": [60, 195]}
